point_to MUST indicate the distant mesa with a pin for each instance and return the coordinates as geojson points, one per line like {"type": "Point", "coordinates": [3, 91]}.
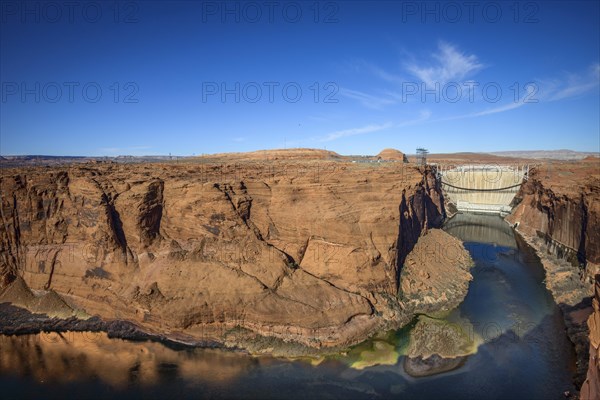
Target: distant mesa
{"type": "Point", "coordinates": [281, 154]}
{"type": "Point", "coordinates": [392, 155]}
{"type": "Point", "coordinates": [563, 154]}
{"type": "Point", "coordinates": [591, 159]}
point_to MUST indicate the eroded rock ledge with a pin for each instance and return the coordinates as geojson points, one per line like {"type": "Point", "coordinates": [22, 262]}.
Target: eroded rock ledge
{"type": "Point", "coordinates": [302, 252]}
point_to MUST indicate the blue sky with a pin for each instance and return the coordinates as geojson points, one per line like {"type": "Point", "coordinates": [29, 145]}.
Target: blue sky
{"type": "Point", "coordinates": [354, 77]}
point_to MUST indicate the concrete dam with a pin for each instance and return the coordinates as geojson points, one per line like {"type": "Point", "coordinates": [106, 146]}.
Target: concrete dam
{"type": "Point", "coordinates": [486, 189]}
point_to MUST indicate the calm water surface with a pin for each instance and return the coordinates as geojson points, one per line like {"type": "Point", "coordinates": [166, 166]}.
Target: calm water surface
{"type": "Point", "coordinates": [522, 351]}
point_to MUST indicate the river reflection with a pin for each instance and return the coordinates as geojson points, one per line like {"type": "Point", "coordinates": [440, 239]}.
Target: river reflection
{"type": "Point", "coordinates": [71, 356]}
{"type": "Point", "coordinates": [484, 229]}
{"type": "Point", "coordinates": [521, 350]}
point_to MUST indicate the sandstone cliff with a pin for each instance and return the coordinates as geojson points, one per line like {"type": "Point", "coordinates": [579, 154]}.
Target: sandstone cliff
{"type": "Point", "coordinates": [559, 207]}
{"type": "Point", "coordinates": [558, 212]}
{"type": "Point", "coordinates": [306, 252]}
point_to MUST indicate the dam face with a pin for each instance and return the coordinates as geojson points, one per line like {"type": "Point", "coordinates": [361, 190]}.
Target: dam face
{"type": "Point", "coordinates": [486, 189]}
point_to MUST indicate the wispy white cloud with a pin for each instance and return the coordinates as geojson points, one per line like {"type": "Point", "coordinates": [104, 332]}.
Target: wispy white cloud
{"type": "Point", "coordinates": [449, 64]}
{"type": "Point", "coordinates": [364, 66]}
{"type": "Point", "coordinates": [424, 115]}
{"type": "Point", "coordinates": [572, 86]}
{"type": "Point", "coordinates": [550, 90]}
{"type": "Point", "coordinates": [386, 76]}
{"type": "Point", "coordinates": [367, 100]}
{"type": "Point", "coordinates": [526, 99]}
{"type": "Point", "coordinates": [238, 139]}
{"type": "Point", "coordinates": [499, 109]}
{"type": "Point", "coordinates": [355, 131]}
{"type": "Point", "coordinates": [489, 111]}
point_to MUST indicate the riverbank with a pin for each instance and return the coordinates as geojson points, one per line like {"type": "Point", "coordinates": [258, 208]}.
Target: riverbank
{"type": "Point", "coordinates": [573, 298]}
{"type": "Point", "coordinates": [18, 321]}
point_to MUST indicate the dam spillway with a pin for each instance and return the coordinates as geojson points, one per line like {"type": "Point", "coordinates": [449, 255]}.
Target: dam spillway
{"type": "Point", "coordinates": [486, 189]}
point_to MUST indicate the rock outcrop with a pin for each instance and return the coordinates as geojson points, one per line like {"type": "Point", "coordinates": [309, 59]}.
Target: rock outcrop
{"type": "Point", "coordinates": [436, 273]}
{"type": "Point", "coordinates": [304, 252]}
{"type": "Point", "coordinates": [392, 155]}
{"type": "Point", "coordinates": [438, 346]}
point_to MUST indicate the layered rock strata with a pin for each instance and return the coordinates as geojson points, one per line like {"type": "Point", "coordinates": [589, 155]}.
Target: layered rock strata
{"type": "Point", "coordinates": [306, 252]}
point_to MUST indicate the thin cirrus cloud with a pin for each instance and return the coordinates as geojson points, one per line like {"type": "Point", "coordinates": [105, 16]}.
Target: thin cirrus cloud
{"type": "Point", "coordinates": [574, 85]}
{"type": "Point", "coordinates": [424, 115]}
{"type": "Point", "coordinates": [494, 110]}
{"type": "Point", "coordinates": [549, 90]}
{"type": "Point", "coordinates": [527, 98]}
{"type": "Point", "coordinates": [355, 131]}
{"type": "Point", "coordinates": [450, 64]}
{"type": "Point", "coordinates": [367, 100]}
{"type": "Point", "coordinates": [386, 76]}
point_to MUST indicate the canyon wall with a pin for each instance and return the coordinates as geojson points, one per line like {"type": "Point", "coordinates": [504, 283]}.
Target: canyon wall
{"type": "Point", "coordinates": [296, 251]}
{"type": "Point", "coordinates": [557, 211]}
{"type": "Point", "coordinates": [591, 387]}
